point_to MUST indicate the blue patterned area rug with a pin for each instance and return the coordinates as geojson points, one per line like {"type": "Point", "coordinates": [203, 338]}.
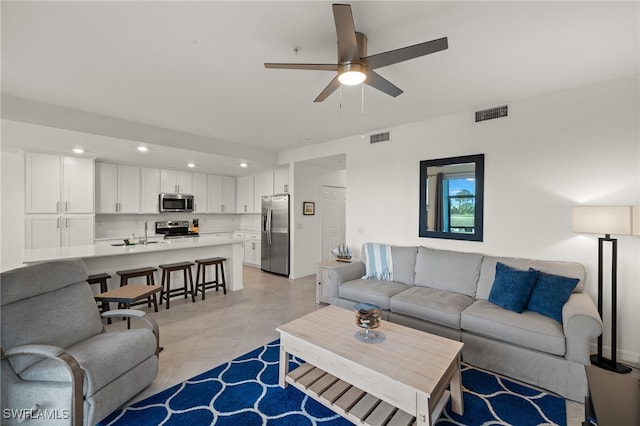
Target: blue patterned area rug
{"type": "Point", "coordinates": [245, 391]}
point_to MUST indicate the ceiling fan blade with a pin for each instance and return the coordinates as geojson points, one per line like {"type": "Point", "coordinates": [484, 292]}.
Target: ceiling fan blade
{"type": "Point", "coordinates": [376, 80]}
{"type": "Point", "coordinates": [321, 67]}
{"type": "Point", "coordinates": [331, 87]}
{"type": "Point", "coordinates": [346, 31]}
{"type": "Point", "coordinates": [405, 53]}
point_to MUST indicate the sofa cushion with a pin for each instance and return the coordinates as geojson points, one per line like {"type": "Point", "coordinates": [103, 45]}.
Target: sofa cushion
{"type": "Point", "coordinates": [511, 288]}
{"type": "Point", "coordinates": [404, 264]}
{"type": "Point", "coordinates": [528, 329]}
{"type": "Point", "coordinates": [103, 358]}
{"type": "Point", "coordinates": [373, 291]}
{"type": "Point", "coordinates": [565, 269]}
{"type": "Point", "coordinates": [448, 270]}
{"type": "Point", "coordinates": [437, 306]}
{"type": "Point", "coordinates": [550, 293]}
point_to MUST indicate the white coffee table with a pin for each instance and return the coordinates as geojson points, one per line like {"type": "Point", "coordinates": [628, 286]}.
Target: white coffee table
{"type": "Point", "coordinates": [407, 378]}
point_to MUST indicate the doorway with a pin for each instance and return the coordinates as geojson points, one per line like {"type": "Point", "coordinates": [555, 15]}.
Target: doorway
{"type": "Point", "coordinates": [333, 212]}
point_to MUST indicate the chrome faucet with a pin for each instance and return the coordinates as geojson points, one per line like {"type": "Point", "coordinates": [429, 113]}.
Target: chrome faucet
{"type": "Point", "coordinates": [145, 233]}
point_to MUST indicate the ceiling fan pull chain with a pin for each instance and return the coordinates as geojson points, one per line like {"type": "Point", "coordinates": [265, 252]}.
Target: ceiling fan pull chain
{"type": "Point", "coordinates": [362, 113]}
{"type": "Point", "coordinates": [340, 105]}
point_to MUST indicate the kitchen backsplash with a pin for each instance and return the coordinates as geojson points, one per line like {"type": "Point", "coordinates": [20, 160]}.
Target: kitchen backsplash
{"type": "Point", "coordinates": [123, 225]}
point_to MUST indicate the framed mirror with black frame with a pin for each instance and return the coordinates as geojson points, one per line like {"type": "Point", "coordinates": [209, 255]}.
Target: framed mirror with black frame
{"type": "Point", "coordinates": [452, 198]}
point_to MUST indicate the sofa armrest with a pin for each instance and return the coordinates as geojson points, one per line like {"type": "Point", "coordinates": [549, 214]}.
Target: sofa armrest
{"type": "Point", "coordinates": [135, 313]}
{"type": "Point", "coordinates": [581, 323]}
{"type": "Point", "coordinates": [75, 371]}
{"type": "Point", "coordinates": [341, 274]}
{"type": "Point", "coordinates": [48, 351]}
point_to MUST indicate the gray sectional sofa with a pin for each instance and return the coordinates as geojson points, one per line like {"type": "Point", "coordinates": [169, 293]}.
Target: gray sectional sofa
{"type": "Point", "coordinates": [446, 293]}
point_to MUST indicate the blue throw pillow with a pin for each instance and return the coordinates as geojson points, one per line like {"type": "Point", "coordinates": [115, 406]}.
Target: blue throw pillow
{"type": "Point", "coordinates": [511, 288]}
{"type": "Point", "coordinates": [550, 294]}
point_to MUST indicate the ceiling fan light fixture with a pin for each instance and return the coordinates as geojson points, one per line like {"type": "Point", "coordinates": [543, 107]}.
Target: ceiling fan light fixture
{"type": "Point", "coordinates": [352, 74]}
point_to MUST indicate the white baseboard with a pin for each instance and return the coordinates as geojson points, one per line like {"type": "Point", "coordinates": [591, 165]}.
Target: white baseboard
{"type": "Point", "coordinates": [622, 355]}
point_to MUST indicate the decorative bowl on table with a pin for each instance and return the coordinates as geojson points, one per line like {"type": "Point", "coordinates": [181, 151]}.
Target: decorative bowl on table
{"type": "Point", "coordinates": [368, 318]}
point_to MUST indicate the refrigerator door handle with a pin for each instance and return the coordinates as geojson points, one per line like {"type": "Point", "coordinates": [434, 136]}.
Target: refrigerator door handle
{"type": "Point", "coordinates": [269, 213]}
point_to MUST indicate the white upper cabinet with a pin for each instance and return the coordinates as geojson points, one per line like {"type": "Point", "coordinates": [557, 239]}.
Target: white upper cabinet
{"type": "Point", "coordinates": [281, 181]}
{"type": "Point", "coordinates": [117, 188]}
{"type": "Point", "coordinates": [172, 181]}
{"type": "Point", "coordinates": [244, 194]}
{"type": "Point", "coordinates": [58, 184]}
{"type": "Point", "coordinates": [43, 183]}
{"type": "Point", "coordinates": [228, 194]}
{"type": "Point", "coordinates": [77, 185]}
{"type": "Point", "coordinates": [199, 192]}
{"type": "Point", "coordinates": [149, 190]}
{"type": "Point", "coordinates": [221, 194]}
{"type": "Point", "coordinates": [263, 185]}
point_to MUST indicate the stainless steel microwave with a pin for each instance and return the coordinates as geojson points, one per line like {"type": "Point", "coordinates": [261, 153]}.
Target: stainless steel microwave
{"type": "Point", "coordinates": [176, 203]}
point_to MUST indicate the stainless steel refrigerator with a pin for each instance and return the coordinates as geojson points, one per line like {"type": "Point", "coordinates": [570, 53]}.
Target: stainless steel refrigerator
{"type": "Point", "coordinates": [275, 234]}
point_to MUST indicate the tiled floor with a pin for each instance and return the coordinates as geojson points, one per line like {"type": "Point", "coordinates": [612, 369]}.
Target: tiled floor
{"type": "Point", "coordinates": [199, 336]}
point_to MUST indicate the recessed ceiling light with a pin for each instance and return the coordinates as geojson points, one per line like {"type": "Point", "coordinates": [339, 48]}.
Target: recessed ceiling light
{"type": "Point", "coordinates": [78, 150]}
{"type": "Point", "coordinates": [243, 164]}
{"type": "Point", "coordinates": [191, 165]}
{"type": "Point", "coordinates": [143, 149]}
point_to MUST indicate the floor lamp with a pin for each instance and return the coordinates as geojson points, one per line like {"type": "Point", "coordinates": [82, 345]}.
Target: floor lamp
{"type": "Point", "coordinates": [616, 220]}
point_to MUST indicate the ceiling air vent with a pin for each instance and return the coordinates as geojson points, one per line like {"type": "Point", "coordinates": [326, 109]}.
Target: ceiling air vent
{"type": "Point", "coordinates": [380, 137]}
{"type": "Point", "coordinates": [491, 113]}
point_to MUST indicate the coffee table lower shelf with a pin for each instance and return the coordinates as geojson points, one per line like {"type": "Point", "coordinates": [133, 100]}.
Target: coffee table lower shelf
{"type": "Point", "coordinates": [351, 402]}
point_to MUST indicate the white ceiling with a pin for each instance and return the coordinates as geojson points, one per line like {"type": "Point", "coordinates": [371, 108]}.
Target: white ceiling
{"type": "Point", "coordinates": [190, 75]}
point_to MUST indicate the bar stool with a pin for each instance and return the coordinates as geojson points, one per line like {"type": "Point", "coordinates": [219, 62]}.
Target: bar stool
{"type": "Point", "coordinates": [102, 280]}
{"type": "Point", "coordinates": [217, 262]}
{"type": "Point", "coordinates": [167, 291]}
{"type": "Point", "coordinates": [147, 272]}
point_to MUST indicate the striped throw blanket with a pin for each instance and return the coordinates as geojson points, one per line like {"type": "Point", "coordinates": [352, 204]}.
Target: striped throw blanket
{"type": "Point", "coordinates": [377, 261]}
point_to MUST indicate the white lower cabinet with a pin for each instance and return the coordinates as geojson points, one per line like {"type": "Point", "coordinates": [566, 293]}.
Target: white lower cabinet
{"type": "Point", "coordinates": [50, 231]}
{"type": "Point", "coordinates": [252, 249]}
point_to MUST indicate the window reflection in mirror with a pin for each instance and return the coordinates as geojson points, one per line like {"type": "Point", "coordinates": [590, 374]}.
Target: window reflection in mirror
{"type": "Point", "coordinates": [451, 197]}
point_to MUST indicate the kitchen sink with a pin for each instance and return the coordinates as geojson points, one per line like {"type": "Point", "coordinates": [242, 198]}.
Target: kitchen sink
{"type": "Point", "coordinates": [136, 244]}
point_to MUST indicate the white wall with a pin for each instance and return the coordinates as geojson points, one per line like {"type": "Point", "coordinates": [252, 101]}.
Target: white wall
{"type": "Point", "coordinates": [553, 152]}
{"type": "Point", "coordinates": [306, 230]}
{"type": "Point", "coordinates": [12, 188]}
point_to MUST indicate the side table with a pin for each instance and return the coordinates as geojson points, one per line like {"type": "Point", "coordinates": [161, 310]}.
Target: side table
{"type": "Point", "coordinates": [322, 294]}
{"type": "Point", "coordinates": [129, 294]}
{"type": "Point", "coordinates": [614, 398]}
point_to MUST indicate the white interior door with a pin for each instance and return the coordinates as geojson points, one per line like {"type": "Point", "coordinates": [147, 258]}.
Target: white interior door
{"type": "Point", "coordinates": [334, 212]}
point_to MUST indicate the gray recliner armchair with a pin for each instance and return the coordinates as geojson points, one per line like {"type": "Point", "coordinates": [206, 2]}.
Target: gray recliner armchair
{"type": "Point", "coordinates": [59, 365]}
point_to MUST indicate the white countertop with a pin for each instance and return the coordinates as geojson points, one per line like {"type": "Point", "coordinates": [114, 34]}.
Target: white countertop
{"type": "Point", "coordinates": [105, 250]}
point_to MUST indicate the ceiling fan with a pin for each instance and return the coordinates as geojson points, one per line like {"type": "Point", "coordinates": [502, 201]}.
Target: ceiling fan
{"type": "Point", "coordinates": [354, 66]}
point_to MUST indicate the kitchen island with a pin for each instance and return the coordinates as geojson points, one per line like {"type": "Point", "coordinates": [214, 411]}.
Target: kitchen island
{"type": "Point", "coordinates": [105, 257]}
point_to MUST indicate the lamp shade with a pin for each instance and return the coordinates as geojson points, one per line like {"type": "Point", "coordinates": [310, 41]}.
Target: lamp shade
{"type": "Point", "coordinates": [603, 220]}
{"type": "Point", "coordinates": [635, 220]}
